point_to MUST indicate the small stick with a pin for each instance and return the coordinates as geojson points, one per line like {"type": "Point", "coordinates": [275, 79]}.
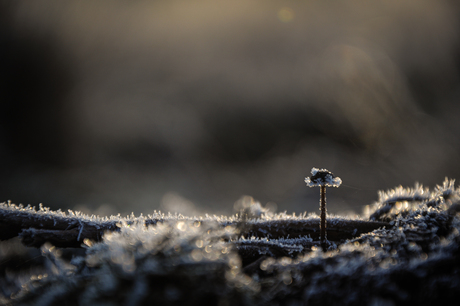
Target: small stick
{"type": "Point", "coordinates": [63, 230]}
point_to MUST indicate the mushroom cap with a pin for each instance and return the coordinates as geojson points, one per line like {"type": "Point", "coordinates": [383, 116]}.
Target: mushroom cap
{"type": "Point", "coordinates": [322, 177]}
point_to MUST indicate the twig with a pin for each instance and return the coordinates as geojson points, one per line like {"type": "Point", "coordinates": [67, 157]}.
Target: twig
{"type": "Point", "coordinates": [55, 225]}
{"type": "Point", "coordinates": [339, 228]}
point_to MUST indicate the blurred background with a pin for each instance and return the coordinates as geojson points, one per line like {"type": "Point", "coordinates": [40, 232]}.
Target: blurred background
{"type": "Point", "coordinates": [187, 106]}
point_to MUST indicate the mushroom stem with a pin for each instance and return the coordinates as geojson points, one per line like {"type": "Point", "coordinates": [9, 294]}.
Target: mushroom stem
{"type": "Point", "coordinates": [323, 217]}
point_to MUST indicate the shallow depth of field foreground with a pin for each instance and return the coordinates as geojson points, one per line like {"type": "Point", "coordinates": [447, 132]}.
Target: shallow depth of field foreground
{"type": "Point", "coordinates": [404, 249]}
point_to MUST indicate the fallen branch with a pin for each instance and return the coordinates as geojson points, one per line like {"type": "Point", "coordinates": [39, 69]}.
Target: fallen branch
{"type": "Point", "coordinates": [338, 228]}
{"type": "Point", "coordinates": [36, 227]}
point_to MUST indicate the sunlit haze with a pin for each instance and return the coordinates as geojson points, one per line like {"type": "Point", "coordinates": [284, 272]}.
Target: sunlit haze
{"type": "Point", "coordinates": [191, 106]}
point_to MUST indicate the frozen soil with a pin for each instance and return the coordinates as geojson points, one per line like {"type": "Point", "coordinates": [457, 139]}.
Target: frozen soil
{"type": "Point", "coordinates": [415, 258]}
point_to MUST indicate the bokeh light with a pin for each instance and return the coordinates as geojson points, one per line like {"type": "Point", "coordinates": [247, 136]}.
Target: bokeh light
{"type": "Point", "coordinates": [286, 14]}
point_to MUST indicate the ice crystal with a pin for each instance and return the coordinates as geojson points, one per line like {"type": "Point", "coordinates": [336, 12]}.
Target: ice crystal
{"type": "Point", "coordinates": [248, 208]}
{"type": "Point", "coordinates": [398, 200]}
{"type": "Point", "coordinates": [173, 262]}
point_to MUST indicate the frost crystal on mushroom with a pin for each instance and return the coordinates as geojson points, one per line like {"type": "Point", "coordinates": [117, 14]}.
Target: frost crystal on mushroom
{"type": "Point", "coordinates": [322, 177]}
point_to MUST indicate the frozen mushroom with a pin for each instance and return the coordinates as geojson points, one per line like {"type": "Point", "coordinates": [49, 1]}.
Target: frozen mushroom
{"type": "Point", "coordinates": [322, 178]}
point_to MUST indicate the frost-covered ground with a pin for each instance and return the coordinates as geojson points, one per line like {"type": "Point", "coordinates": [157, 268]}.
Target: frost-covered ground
{"type": "Point", "coordinates": [181, 260]}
